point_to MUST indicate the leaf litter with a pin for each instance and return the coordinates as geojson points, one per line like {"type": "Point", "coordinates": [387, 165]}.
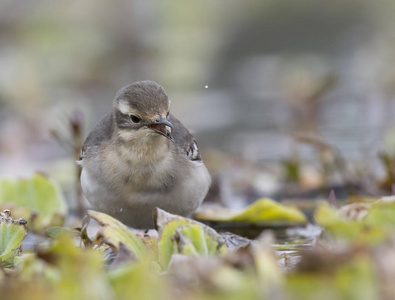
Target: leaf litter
{"type": "Point", "coordinates": [349, 254]}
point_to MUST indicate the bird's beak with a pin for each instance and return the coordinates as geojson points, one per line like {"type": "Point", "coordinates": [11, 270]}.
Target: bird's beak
{"type": "Point", "coordinates": [163, 127]}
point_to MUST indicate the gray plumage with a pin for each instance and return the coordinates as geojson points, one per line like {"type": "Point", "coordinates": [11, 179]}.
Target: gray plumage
{"type": "Point", "coordinates": [133, 161]}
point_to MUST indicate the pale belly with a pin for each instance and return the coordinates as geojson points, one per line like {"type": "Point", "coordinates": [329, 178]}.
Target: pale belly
{"type": "Point", "coordinates": [135, 208]}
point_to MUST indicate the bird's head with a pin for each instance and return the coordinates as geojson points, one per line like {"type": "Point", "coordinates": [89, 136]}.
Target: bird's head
{"type": "Point", "coordinates": [141, 109]}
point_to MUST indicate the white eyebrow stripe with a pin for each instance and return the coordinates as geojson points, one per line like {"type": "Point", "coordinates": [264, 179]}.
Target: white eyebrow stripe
{"type": "Point", "coordinates": [195, 150]}
{"type": "Point", "coordinates": [123, 107]}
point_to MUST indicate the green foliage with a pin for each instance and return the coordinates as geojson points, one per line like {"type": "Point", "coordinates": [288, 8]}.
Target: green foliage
{"type": "Point", "coordinates": [267, 210]}
{"type": "Point", "coordinates": [381, 214]}
{"type": "Point", "coordinates": [185, 236]}
{"type": "Point", "coordinates": [373, 229]}
{"type": "Point", "coordinates": [190, 260]}
{"type": "Point", "coordinates": [114, 232]}
{"type": "Point", "coordinates": [62, 271]}
{"type": "Point", "coordinates": [353, 279]}
{"type": "Point", "coordinates": [138, 281]}
{"type": "Point", "coordinates": [11, 237]}
{"type": "Point", "coordinates": [81, 271]}
{"type": "Point", "coordinates": [261, 211]}
{"type": "Point", "coordinates": [56, 231]}
{"type": "Point", "coordinates": [388, 162]}
{"type": "Point", "coordinates": [291, 168]}
{"type": "Point", "coordinates": [38, 199]}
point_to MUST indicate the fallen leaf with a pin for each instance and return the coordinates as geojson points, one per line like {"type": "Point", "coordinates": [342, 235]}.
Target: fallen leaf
{"type": "Point", "coordinates": [113, 233]}
{"type": "Point", "coordinates": [261, 211]}
{"type": "Point", "coordinates": [12, 233]}
{"type": "Point", "coordinates": [185, 236]}
{"type": "Point", "coordinates": [38, 199]}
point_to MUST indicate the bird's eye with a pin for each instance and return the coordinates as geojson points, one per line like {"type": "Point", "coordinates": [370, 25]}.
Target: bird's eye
{"type": "Point", "coordinates": [134, 119]}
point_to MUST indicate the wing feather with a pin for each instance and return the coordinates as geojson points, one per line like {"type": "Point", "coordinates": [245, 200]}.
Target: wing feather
{"type": "Point", "coordinates": [184, 139]}
{"type": "Point", "coordinates": [101, 132]}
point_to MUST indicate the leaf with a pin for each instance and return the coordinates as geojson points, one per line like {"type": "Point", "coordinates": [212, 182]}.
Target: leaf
{"type": "Point", "coordinates": [325, 215]}
{"type": "Point", "coordinates": [11, 237]}
{"type": "Point", "coordinates": [139, 280]}
{"type": "Point", "coordinates": [342, 228]}
{"type": "Point", "coordinates": [12, 233]}
{"type": "Point", "coordinates": [114, 232]}
{"type": "Point", "coordinates": [261, 211]}
{"type": "Point", "coordinates": [265, 210]}
{"type": "Point", "coordinates": [266, 264]}
{"type": "Point", "coordinates": [38, 199]}
{"type": "Point", "coordinates": [192, 240]}
{"type": "Point", "coordinates": [185, 236]}
{"type": "Point", "coordinates": [349, 275]}
{"type": "Point", "coordinates": [56, 231]}
{"type": "Point", "coordinates": [81, 271]}
{"type": "Point", "coordinates": [381, 214]}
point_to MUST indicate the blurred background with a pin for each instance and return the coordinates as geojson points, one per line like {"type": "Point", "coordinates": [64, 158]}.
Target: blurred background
{"type": "Point", "coordinates": [275, 91]}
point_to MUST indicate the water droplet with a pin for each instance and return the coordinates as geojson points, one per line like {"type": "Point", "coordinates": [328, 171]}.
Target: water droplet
{"type": "Point", "coordinates": [121, 210]}
{"type": "Point", "coordinates": [206, 86]}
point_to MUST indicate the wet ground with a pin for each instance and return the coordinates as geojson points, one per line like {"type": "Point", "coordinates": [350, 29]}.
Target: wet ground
{"type": "Point", "coordinates": [293, 240]}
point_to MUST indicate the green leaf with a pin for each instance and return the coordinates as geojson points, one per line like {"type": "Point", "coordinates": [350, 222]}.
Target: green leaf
{"type": "Point", "coordinates": [185, 236]}
{"type": "Point", "coordinates": [267, 210]}
{"type": "Point", "coordinates": [325, 215]}
{"type": "Point", "coordinates": [166, 245]}
{"type": "Point", "coordinates": [11, 237]}
{"type": "Point", "coordinates": [261, 211]}
{"type": "Point", "coordinates": [353, 277]}
{"type": "Point", "coordinates": [12, 233]}
{"type": "Point", "coordinates": [195, 234]}
{"type": "Point", "coordinates": [381, 214]}
{"type": "Point", "coordinates": [114, 232]}
{"type": "Point", "coordinates": [81, 271]}
{"type": "Point", "coordinates": [341, 228]}
{"type": "Point", "coordinates": [38, 199]}
{"type": "Point", "coordinates": [139, 280]}
{"type": "Point", "coordinates": [56, 231]}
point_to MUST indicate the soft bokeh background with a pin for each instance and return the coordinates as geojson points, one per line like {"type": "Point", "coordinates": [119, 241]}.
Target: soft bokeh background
{"type": "Point", "coordinates": [245, 76]}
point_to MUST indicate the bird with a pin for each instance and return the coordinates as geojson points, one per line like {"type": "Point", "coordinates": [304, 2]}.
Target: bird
{"type": "Point", "coordinates": [139, 156]}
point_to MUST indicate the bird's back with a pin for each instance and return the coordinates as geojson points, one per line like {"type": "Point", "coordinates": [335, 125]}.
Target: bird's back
{"type": "Point", "coordinates": [102, 131]}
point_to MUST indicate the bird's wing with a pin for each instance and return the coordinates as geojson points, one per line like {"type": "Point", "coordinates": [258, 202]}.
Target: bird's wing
{"type": "Point", "coordinates": [184, 139]}
{"type": "Point", "coordinates": [101, 132]}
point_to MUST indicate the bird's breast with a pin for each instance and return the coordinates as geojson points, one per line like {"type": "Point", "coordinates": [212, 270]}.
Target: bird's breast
{"type": "Point", "coordinates": [135, 169]}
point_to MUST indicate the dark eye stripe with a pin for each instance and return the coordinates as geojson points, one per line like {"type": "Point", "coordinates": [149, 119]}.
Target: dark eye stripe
{"type": "Point", "coordinates": [122, 120]}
